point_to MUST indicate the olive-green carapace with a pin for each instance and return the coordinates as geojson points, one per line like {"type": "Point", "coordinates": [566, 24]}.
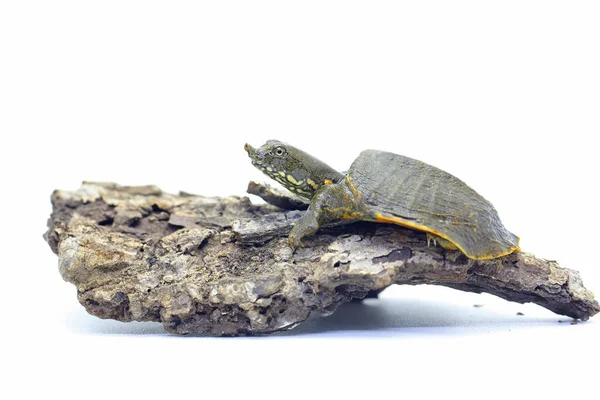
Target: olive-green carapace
{"type": "Point", "coordinates": [388, 188]}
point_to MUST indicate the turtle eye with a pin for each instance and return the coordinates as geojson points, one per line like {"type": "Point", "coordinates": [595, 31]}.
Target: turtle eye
{"type": "Point", "coordinates": [279, 151]}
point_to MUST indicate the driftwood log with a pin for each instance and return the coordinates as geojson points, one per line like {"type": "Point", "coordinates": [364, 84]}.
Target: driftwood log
{"type": "Point", "coordinates": [222, 266]}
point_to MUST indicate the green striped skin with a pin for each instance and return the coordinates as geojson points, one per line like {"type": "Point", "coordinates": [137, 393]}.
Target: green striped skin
{"type": "Point", "coordinates": [298, 171]}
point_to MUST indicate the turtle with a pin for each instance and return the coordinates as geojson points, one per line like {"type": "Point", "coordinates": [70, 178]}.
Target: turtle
{"type": "Point", "coordinates": [385, 187]}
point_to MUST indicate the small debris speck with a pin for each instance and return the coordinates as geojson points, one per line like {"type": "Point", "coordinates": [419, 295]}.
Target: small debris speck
{"type": "Point", "coordinates": [477, 305]}
{"type": "Point", "coordinates": [573, 322]}
{"type": "Point", "coordinates": [520, 313]}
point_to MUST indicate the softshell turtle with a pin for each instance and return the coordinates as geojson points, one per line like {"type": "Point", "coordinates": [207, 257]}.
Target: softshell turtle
{"type": "Point", "coordinates": [389, 188]}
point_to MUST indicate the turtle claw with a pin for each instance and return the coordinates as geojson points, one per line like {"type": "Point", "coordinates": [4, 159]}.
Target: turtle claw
{"type": "Point", "coordinates": [431, 238]}
{"type": "Point", "coordinates": [295, 242]}
{"type": "Point", "coordinates": [443, 243]}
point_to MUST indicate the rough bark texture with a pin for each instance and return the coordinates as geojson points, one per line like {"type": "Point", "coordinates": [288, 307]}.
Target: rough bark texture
{"type": "Point", "coordinates": [222, 266]}
{"type": "Point", "coordinates": [287, 201]}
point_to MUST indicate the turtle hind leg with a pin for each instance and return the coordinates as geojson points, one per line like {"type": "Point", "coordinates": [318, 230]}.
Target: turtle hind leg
{"type": "Point", "coordinates": [444, 243]}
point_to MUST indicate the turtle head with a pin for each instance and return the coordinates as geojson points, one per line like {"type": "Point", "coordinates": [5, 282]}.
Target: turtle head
{"type": "Point", "coordinates": [298, 171]}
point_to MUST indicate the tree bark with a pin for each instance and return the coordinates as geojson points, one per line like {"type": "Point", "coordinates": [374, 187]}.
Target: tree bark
{"type": "Point", "coordinates": [222, 266]}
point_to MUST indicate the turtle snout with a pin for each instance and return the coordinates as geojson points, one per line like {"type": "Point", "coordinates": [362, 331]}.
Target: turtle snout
{"type": "Point", "coordinates": [249, 149]}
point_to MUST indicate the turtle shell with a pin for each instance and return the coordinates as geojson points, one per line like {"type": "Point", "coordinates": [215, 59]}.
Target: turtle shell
{"type": "Point", "coordinates": [411, 193]}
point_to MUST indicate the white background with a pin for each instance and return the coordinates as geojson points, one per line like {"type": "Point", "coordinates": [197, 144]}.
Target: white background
{"type": "Point", "coordinates": [505, 95]}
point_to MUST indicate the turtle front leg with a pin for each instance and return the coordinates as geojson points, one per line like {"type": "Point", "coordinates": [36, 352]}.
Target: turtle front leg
{"type": "Point", "coordinates": [311, 221]}
{"type": "Point", "coordinates": [307, 225]}
{"type": "Point", "coordinates": [330, 203]}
